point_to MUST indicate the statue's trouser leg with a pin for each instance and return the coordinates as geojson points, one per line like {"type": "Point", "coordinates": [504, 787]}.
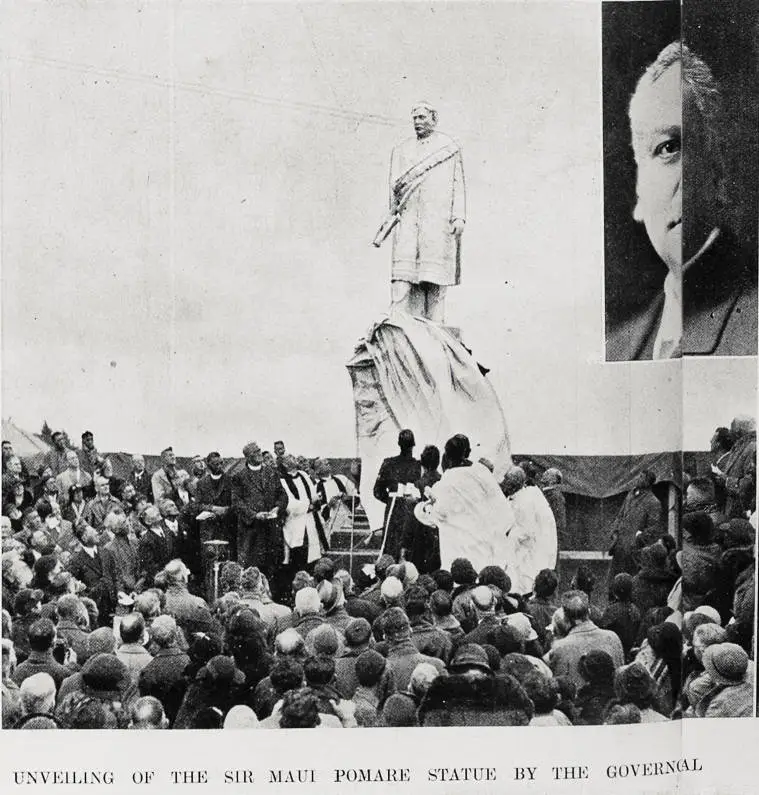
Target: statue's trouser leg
{"type": "Point", "coordinates": [407, 297]}
{"type": "Point", "coordinates": [435, 302]}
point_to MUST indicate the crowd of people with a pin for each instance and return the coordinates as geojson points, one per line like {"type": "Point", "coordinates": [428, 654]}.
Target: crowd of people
{"type": "Point", "coordinates": [118, 612]}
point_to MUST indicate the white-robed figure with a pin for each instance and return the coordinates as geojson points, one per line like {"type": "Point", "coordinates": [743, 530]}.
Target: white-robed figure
{"type": "Point", "coordinates": [427, 217]}
{"type": "Point", "coordinates": [532, 541]}
{"type": "Point", "coordinates": [304, 541]}
{"type": "Point", "coordinates": [469, 509]}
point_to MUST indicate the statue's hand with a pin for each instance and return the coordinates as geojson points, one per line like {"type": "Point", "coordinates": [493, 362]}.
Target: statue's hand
{"type": "Point", "coordinates": [457, 227]}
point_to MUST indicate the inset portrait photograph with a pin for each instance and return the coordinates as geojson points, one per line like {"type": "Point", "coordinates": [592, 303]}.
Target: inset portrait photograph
{"type": "Point", "coordinates": [680, 173]}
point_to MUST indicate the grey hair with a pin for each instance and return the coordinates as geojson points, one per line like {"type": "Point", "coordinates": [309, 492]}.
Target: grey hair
{"type": "Point", "coordinates": [703, 92]}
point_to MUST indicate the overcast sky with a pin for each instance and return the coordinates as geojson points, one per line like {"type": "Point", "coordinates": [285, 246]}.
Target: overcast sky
{"type": "Point", "coordinates": [190, 193]}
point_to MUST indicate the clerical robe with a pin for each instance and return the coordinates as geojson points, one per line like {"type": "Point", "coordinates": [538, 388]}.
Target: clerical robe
{"type": "Point", "coordinates": [424, 248]}
{"type": "Point", "coordinates": [532, 541]}
{"type": "Point", "coordinates": [472, 516]}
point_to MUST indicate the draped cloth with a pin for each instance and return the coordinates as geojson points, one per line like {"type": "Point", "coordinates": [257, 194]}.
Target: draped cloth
{"type": "Point", "coordinates": [472, 516]}
{"type": "Point", "coordinates": [409, 372]}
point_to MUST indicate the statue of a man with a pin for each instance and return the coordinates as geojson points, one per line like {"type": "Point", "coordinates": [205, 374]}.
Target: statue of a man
{"type": "Point", "coordinates": [427, 215]}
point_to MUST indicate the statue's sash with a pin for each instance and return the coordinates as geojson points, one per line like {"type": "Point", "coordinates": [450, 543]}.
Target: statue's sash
{"type": "Point", "coordinates": [405, 185]}
{"type": "Point", "coordinates": [412, 176]}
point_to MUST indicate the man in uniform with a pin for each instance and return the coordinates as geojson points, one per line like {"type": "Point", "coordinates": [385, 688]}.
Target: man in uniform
{"type": "Point", "coordinates": [427, 214]}
{"type": "Point", "coordinates": [396, 476]}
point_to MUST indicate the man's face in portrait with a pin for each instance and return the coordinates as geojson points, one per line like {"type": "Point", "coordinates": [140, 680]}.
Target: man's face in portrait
{"type": "Point", "coordinates": [424, 122]}
{"type": "Point", "coordinates": [656, 122]}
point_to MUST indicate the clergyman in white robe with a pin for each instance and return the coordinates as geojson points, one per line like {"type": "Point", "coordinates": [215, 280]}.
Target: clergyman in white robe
{"type": "Point", "coordinates": [472, 516]}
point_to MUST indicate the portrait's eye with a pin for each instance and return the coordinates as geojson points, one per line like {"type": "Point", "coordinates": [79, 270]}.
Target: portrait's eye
{"type": "Point", "coordinates": [668, 148]}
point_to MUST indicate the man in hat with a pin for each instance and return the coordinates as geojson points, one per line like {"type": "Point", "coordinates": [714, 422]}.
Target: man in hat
{"type": "Point", "coordinates": [427, 213]}
{"type": "Point", "coordinates": [170, 482]}
{"type": "Point", "coordinates": [707, 303]}
{"type": "Point", "coordinates": [395, 487]}
{"type": "Point", "coordinates": [259, 501]}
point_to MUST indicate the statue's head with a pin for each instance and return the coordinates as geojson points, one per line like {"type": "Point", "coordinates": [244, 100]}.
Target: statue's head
{"type": "Point", "coordinates": [424, 117]}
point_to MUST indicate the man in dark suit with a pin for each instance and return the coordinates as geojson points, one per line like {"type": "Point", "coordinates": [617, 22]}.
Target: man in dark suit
{"type": "Point", "coordinates": [259, 501]}
{"type": "Point", "coordinates": [707, 304]}
{"type": "Point", "coordinates": [395, 475]}
{"type": "Point", "coordinates": [86, 565]}
{"type": "Point", "coordinates": [139, 477]}
{"type": "Point", "coordinates": [156, 547]}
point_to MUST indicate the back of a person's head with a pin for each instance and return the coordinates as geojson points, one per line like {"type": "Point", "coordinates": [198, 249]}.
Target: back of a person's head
{"type": "Point", "coordinates": [163, 631]}
{"type": "Point", "coordinates": [416, 601]}
{"type": "Point", "coordinates": [175, 572]}
{"type": "Point", "coordinates": [546, 583]}
{"type": "Point", "coordinates": [132, 628]}
{"type": "Point", "coordinates": [575, 605]}
{"type": "Point", "coordinates": [443, 579]}
{"type": "Point", "coordinates": [395, 624]}
{"type": "Point", "coordinates": [38, 693]}
{"type": "Point", "coordinates": [622, 714]}
{"type": "Point", "coordinates": [68, 607]}
{"type": "Point", "coordinates": [299, 710]}
{"type": "Point", "coordinates": [496, 576]}
{"type": "Point", "coordinates": [463, 572]}
{"type": "Point", "coordinates": [148, 604]}
{"type": "Point", "coordinates": [319, 670]}
{"type": "Point", "coordinates": [287, 674]}
{"type": "Point", "coordinates": [621, 587]}
{"type": "Point", "coordinates": [289, 643]}
{"type": "Point", "coordinates": [41, 635]}
{"type": "Point", "coordinates": [370, 665]}
{"type": "Point", "coordinates": [422, 677]}
{"type": "Point", "coordinates": [543, 692]}
{"type": "Point", "coordinates": [324, 569]}
{"type": "Point", "coordinates": [307, 601]}
{"type": "Point", "coordinates": [440, 603]}
{"type": "Point", "coordinates": [147, 713]}
{"type": "Point", "coordinates": [633, 684]}
{"type": "Point", "coordinates": [398, 711]}
{"type": "Point", "coordinates": [597, 667]}
{"type": "Point", "coordinates": [698, 526]}
{"type": "Point", "coordinates": [584, 579]}
{"type": "Point", "coordinates": [430, 457]}
{"type": "Point", "coordinates": [323, 640]}
{"type": "Point", "coordinates": [101, 641]}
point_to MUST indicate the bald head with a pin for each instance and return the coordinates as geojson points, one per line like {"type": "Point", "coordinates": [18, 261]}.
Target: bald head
{"type": "Point", "coordinates": [289, 643]}
{"type": "Point", "coordinates": [575, 606]}
{"type": "Point", "coordinates": [38, 694]}
{"type": "Point", "coordinates": [147, 713]}
{"type": "Point", "coordinates": [132, 628]}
